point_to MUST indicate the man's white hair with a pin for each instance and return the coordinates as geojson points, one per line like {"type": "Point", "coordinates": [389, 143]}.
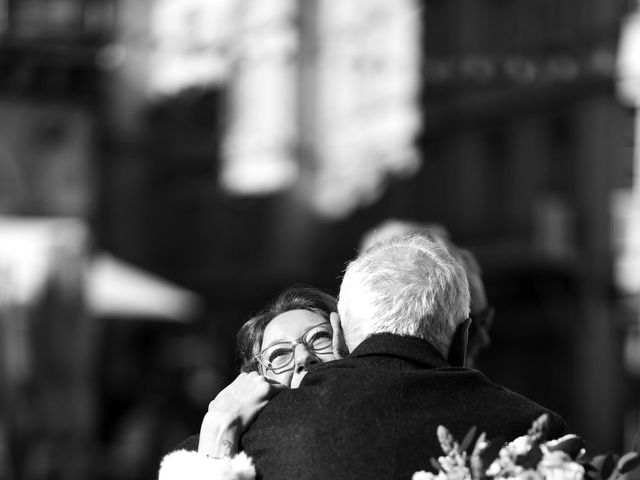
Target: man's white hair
{"type": "Point", "coordinates": [408, 285]}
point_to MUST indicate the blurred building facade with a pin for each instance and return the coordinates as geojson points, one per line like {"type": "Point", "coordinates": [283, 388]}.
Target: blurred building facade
{"type": "Point", "coordinates": [519, 145]}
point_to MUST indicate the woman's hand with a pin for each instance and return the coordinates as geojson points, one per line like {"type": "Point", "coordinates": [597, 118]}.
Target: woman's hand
{"type": "Point", "coordinates": [232, 411]}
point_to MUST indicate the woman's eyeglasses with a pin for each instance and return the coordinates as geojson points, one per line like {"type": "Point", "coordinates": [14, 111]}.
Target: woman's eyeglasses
{"type": "Point", "coordinates": [279, 356]}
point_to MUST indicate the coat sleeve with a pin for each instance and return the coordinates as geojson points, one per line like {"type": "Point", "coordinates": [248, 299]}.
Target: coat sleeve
{"type": "Point", "coordinates": [190, 465]}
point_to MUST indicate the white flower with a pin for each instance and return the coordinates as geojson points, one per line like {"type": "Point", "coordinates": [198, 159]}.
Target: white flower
{"type": "Point", "coordinates": [556, 459]}
{"type": "Point", "coordinates": [520, 445]}
{"type": "Point", "coordinates": [452, 460]}
{"type": "Point", "coordinates": [557, 465]}
{"type": "Point", "coordinates": [505, 465]}
{"type": "Point", "coordinates": [494, 469]}
{"type": "Point", "coordinates": [529, 475]}
{"type": "Point", "coordinates": [422, 475]}
{"type": "Point", "coordinates": [571, 444]}
{"type": "Point", "coordinates": [459, 473]}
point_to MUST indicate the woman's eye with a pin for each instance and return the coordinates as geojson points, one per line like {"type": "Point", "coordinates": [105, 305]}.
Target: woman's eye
{"type": "Point", "coordinates": [320, 335]}
{"type": "Point", "coordinates": [320, 339]}
{"type": "Point", "coordinates": [278, 356]}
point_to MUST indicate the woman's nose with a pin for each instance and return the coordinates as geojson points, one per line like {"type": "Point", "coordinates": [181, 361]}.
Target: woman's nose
{"type": "Point", "coordinates": [303, 358]}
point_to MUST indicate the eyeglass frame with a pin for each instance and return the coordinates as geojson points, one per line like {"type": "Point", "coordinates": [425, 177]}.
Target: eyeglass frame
{"type": "Point", "coordinates": [294, 344]}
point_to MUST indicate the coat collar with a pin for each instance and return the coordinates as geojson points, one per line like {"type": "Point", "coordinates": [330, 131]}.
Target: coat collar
{"type": "Point", "coordinates": [408, 348]}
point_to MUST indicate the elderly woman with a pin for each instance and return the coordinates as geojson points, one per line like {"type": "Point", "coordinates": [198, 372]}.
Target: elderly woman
{"type": "Point", "coordinates": [267, 341]}
{"type": "Point", "coordinates": [277, 347]}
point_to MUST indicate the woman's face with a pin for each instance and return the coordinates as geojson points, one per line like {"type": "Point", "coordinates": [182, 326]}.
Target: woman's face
{"type": "Point", "coordinates": [292, 326]}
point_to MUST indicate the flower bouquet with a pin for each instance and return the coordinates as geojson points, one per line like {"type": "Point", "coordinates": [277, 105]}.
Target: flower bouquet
{"type": "Point", "coordinates": [529, 457]}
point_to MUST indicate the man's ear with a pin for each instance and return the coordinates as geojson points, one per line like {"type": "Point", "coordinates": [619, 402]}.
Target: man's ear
{"type": "Point", "coordinates": [458, 349]}
{"type": "Point", "coordinates": [340, 349]}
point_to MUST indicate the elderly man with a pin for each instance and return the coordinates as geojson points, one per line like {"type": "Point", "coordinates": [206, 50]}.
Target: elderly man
{"type": "Point", "coordinates": [403, 308]}
{"type": "Point", "coordinates": [481, 312]}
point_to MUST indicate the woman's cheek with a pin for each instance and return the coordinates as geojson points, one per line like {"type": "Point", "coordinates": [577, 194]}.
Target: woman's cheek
{"type": "Point", "coordinates": [327, 357]}
{"type": "Point", "coordinates": [284, 378]}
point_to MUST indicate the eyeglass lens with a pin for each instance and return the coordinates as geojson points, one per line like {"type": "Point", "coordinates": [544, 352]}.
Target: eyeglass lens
{"type": "Point", "coordinates": [317, 339]}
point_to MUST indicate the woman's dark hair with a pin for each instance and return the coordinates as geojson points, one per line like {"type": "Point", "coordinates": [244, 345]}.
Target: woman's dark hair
{"type": "Point", "coordinates": [298, 297]}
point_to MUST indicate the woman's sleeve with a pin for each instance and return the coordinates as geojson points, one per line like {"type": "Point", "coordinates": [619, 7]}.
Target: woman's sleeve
{"type": "Point", "coordinates": [191, 465]}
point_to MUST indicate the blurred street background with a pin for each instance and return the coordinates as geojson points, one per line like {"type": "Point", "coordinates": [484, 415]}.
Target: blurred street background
{"type": "Point", "coordinates": [168, 166]}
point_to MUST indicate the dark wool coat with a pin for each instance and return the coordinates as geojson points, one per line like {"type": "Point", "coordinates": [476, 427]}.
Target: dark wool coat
{"type": "Point", "coordinates": [375, 414]}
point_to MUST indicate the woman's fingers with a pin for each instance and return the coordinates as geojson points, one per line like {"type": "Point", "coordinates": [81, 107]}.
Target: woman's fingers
{"type": "Point", "coordinates": [243, 398]}
{"type": "Point", "coordinates": [276, 385]}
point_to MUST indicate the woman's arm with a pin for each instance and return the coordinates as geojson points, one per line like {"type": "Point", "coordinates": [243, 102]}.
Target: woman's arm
{"type": "Point", "coordinates": [232, 411]}
{"type": "Point", "coordinates": [229, 414]}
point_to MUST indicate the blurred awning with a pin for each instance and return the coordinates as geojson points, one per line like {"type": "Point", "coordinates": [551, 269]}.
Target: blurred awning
{"type": "Point", "coordinates": [628, 67]}
{"type": "Point", "coordinates": [32, 249]}
{"type": "Point", "coordinates": [116, 288]}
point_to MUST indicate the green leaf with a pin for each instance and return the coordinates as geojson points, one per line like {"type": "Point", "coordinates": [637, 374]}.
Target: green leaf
{"type": "Point", "coordinates": [477, 467]}
{"type": "Point", "coordinates": [635, 445]}
{"type": "Point", "coordinates": [596, 464]}
{"type": "Point", "coordinates": [592, 475]}
{"type": "Point", "coordinates": [607, 465]}
{"type": "Point", "coordinates": [588, 467]}
{"type": "Point", "coordinates": [446, 439]}
{"type": "Point", "coordinates": [435, 464]}
{"type": "Point", "coordinates": [539, 428]}
{"type": "Point", "coordinates": [628, 462]}
{"type": "Point", "coordinates": [480, 445]}
{"type": "Point", "coordinates": [572, 445]}
{"type": "Point", "coordinates": [468, 438]}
